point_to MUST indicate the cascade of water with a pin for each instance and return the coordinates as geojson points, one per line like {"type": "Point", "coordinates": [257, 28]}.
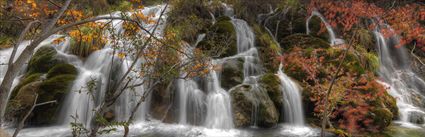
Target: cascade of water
{"type": "Point", "coordinates": [293, 110]}
{"type": "Point", "coordinates": [245, 42]}
{"type": "Point", "coordinates": [219, 113]}
{"type": "Point", "coordinates": [191, 102]}
{"type": "Point", "coordinates": [332, 38]}
{"type": "Point", "coordinates": [99, 72]}
{"type": "Point", "coordinates": [403, 83]}
{"type": "Point", "coordinates": [191, 97]}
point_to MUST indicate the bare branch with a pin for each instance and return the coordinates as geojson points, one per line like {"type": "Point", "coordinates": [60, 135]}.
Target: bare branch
{"type": "Point", "coordinates": [22, 122]}
{"type": "Point", "coordinates": [60, 13]}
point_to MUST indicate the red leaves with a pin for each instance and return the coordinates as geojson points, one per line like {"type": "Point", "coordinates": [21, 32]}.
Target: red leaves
{"type": "Point", "coordinates": [352, 13]}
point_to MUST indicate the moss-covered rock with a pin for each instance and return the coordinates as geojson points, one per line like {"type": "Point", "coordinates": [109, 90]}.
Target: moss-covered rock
{"type": "Point", "coordinates": [303, 41]}
{"type": "Point", "coordinates": [232, 73]}
{"type": "Point", "coordinates": [50, 79]}
{"type": "Point", "coordinates": [220, 39]}
{"type": "Point", "coordinates": [399, 131]}
{"type": "Point", "coordinates": [61, 69]}
{"type": "Point", "coordinates": [43, 60]}
{"type": "Point", "coordinates": [382, 117]}
{"type": "Point", "coordinates": [268, 49]}
{"type": "Point", "coordinates": [364, 38]}
{"type": "Point", "coordinates": [271, 83]}
{"type": "Point", "coordinates": [49, 90]}
{"type": "Point", "coordinates": [417, 117]}
{"type": "Point", "coordinates": [27, 79]}
{"type": "Point", "coordinates": [252, 106]}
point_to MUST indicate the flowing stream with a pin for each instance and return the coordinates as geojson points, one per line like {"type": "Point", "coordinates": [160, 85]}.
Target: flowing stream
{"type": "Point", "coordinates": [332, 37]}
{"type": "Point", "coordinates": [404, 85]}
{"type": "Point", "coordinates": [293, 110]}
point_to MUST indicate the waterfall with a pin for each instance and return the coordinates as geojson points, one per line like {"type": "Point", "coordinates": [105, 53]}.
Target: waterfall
{"type": "Point", "coordinates": [99, 72]}
{"type": "Point", "coordinates": [246, 42]}
{"type": "Point", "coordinates": [293, 110]}
{"type": "Point", "coordinates": [332, 38]}
{"type": "Point", "coordinates": [403, 83]}
{"type": "Point", "coordinates": [191, 97]}
{"type": "Point", "coordinates": [219, 113]}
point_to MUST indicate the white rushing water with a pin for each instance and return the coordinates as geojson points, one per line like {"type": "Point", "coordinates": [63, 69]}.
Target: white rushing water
{"type": "Point", "coordinates": [207, 107]}
{"type": "Point", "coordinates": [99, 72]}
{"type": "Point", "coordinates": [404, 85]}
{"type": "Point", "coordinates": [293, 110]}
{"type": "Point", "coordinates": [332, 37]}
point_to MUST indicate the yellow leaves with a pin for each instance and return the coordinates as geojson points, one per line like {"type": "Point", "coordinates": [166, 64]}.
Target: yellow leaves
{"type": "Point", "coordinates": [32, 3]}
{"type": "Point", "coordinates": [121, 55]}
{"type": "Point", "coordinates": [130, 28]}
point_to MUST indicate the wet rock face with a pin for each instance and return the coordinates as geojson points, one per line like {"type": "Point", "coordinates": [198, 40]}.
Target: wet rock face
{"type": "Point", "coordinates": [232, 73]}
{"type": "Point", "coordinates": [220, 39]}
{"type": "Point", "coordinates": [48, 78]}
{"type": "Point", "coordinates": [417, 117]}
{"type": "Point", "coordinates": [271, 84]}
{"type": "Point", "coordinates": [253, 107]}
{"type": "Point", "coordinates": [162, 98]}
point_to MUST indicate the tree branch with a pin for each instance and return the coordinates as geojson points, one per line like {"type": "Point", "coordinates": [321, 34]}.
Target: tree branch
{"type": "Point", "coordinates": [22, 122]}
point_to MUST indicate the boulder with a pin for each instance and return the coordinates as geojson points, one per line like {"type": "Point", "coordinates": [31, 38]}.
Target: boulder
{"type": "Point", "coordinates": [272, 85]}
{"type": "Point", "coordinates": [417, 117]}
{"type": "Point", "coordinates": [303, 41]}
{"type": "Point", "coordinates": [61, 69]}
{"type": "Point", "coordinates": [232, 73]}
{"type": "Point", "coordinates": [43, 60]}
{"type": "Point", "coordinates": [49, 78]}
{"type": "Point", "coordinates": [382, 117]}
{"type": "Point", "coordinates": [220, 39]}
{"type": "Point", "coordinates": [268, 49]}
{"type": "Point", "coordinates": [162, 99]}
{"type": "Point", "coordinates": [253, 107]}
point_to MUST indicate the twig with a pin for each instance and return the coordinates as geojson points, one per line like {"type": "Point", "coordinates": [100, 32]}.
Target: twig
{"type": "Point", "coordinates": [335, 76]}
{"type": "Point", "coordinates": [414, 55]}
{"type": "Point", "coordinates": [22, 122]}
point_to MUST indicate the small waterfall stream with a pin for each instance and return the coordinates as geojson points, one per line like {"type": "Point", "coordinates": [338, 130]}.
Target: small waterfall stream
{"type": "Point", "coordinates": [332, 37]}
{"type": "Point", "coordinates": [403, 83]}
{"type": "Point", "coordinates": [293, 110]}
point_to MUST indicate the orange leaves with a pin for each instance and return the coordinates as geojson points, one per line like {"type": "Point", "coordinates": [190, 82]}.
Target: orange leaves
{"type": "Point", "coordinates": [58, 40]}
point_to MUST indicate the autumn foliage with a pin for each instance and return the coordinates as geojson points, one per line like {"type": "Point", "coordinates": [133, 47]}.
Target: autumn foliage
{"type": "Point", "coordinates": [357, 101]}
{"type": "Point", "coordinates": [404, 20]}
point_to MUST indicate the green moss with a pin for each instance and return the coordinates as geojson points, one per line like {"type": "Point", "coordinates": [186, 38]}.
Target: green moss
{"type": "Point", "coordinates": [124, 6]}
{"type": "Point", "coordinates": [57, 85]}
{"type": "Point", "coordinates": [271, 83]}
{"type": "Point", "coordinates": [268, 49]}
{"type": "Point", "coordinates": [220, 40]}
{"type": "Point", "coordinates": [303, 41]}
{"type": "Point", "coordinates": [391, 103]}
{"type": "Point", "coordinates": [61, 69]}
{"type": "Point", "coordinates": [5, 42]}
{"type": "Point", "coordinates": [189, 17]}
{"type": "Point", "coordinates": [399, 131]}
{"type": "Point", "coordinates": [43, 60]}
{"type": "Point", "coordinates": [382, 117]}
{"type": "Point", "coordinates": [25, 81]}
{"type": "Point", "coordinates": [364, 38]}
